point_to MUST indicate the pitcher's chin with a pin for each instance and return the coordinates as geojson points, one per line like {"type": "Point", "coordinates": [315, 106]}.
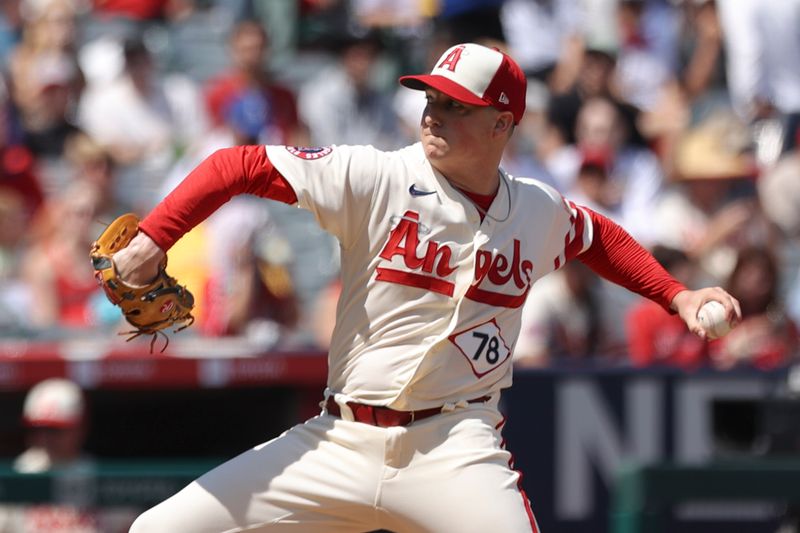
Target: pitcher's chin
{"type": "Point", "coordinates": [435, 148]}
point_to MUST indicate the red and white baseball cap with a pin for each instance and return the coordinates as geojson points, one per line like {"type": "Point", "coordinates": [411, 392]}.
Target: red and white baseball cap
{"type": "Point", "coordinates": [54, 402]}
{"type": "Point", "coordinates": [476, 75]}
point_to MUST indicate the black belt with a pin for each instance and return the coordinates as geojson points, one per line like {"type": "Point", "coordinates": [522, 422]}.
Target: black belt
{"type": "Point", "coordinates": [376, 415]}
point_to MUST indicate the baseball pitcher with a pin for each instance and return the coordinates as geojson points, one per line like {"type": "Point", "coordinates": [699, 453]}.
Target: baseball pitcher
{"type": "Point", "coordinates": [439, 247]}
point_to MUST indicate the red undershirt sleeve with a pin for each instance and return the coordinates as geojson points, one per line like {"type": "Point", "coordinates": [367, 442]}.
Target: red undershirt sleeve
{"type": "Point", "coordinates": [223, 175]}
{"type": "Point", "coordinates": [617, 257]}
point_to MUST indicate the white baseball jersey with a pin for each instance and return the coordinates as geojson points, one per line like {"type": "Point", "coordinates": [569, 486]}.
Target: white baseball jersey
{"type": "Point", "coordinates": [431, 296]}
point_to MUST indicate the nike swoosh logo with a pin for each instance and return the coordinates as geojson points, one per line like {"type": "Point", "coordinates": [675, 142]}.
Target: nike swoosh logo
{"type": "Point", "coordinates": [418, 192]}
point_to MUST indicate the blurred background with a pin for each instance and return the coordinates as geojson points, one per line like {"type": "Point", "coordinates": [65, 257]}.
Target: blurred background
{"type": "Point", "coordinates": [679, 119]}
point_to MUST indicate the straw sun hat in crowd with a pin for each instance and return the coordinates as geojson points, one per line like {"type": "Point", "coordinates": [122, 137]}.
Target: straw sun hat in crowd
{"type": "Point", "coordinates": [717, 148]}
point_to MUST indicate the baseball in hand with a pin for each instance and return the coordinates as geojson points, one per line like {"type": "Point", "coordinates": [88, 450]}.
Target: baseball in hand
{"type": "Point", "coordinates": [713, 318]}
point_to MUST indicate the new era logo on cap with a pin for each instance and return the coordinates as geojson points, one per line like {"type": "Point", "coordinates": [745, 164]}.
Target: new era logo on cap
{"type": "Point", "coordinates": [476, 75]}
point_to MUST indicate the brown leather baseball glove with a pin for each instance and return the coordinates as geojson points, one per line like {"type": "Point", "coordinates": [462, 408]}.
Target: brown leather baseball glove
{"type": "Point", "coordinates": [151, 308]}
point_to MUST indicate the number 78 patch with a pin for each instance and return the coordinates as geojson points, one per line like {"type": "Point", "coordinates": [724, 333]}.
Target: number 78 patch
{"type": "Point", "coordinates": [483, 347]}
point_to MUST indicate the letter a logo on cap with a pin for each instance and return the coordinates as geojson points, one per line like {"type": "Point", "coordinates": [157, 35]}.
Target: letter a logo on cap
{"type": "Point", "coordinates": [452, 59]}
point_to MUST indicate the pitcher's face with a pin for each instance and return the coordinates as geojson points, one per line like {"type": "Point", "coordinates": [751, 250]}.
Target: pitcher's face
{"type": "Point", "coordinates": [452, 129]}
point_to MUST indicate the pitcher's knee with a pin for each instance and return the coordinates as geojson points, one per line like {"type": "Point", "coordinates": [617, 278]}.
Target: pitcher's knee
{"type": "Point", "coordinates": [167, 517]}
{"type": "Point", "coordinates": [145, 523]}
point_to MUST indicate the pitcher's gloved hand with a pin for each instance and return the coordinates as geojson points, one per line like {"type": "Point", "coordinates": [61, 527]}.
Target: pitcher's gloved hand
{"type": "Point", "coordinates": [149, 308]}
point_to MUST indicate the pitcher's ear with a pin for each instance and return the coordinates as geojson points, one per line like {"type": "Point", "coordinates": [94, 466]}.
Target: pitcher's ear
{"type": "Point", "coordinates": [504, 122]}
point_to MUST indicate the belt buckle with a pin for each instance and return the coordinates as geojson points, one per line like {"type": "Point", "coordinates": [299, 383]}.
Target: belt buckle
{"type": "Point", "coordinates": [413, 414]}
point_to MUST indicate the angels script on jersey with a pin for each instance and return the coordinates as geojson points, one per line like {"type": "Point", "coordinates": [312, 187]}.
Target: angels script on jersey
{"type": "Point", "coordinates": [430, 270]}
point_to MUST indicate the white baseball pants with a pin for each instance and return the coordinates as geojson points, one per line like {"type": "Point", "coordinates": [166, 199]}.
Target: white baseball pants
{"type": "Point", "coordinates": [446, 473]}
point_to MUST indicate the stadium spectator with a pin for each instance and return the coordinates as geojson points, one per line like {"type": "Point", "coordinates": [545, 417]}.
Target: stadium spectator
{"type": "Point", "coordinates": [634, 171]}
{"type": "Point", "coordinates": [596, 75]}
{"type": "Point", "coordinates": [471, 20]}
{"type": "Point", "coordinates": [648, 73]}
{"type": "Point", "coordinates": [139, 10]}
{"type": "Point", "coordinates": [391, 14]}
{"type": "Point", "coordinates": [18, 173]}
{"type": "Point", "coordinates": [712, 209]}
{"type": "Point", "coordinates": [695, 87]}
{"type": "Point", "coordinates": [237, 263]}
{"type": "Point", "coordinates": [535, 145]}
{"type": "Point", "coordinates": [250, 291]}
{"type": "Point", "coordinates": [619, 41]}
{"type": "Point", "coordinates": [56, 421]}
{"type": "Point", "coordinates": [53, 414]}
{"type": "Point", "coordinates": [90, 162]}
{"type": "Point", "coordinates": [548, 38]}
{"type": "Point", "coordinates": [142, 119]}
{"type": "Point", "coordinates": [18, 165]}
{"type": "Point", "coordinates": [249, 54]}
{"type": "Point", "coordinates": [49, 29]}
{"type": "Point", "coordinates": [702, 69]}
{"type": "Point", "coordinates": [647, 56]}
{"type": "Point", "coordinates": [56, 269]}
{"type": "Point", "coordinates": [766, 338]}
{"type": "Point", "coordinates": [14, 295]}
{"type": "Point", "coordinates": [46, 112]}
{"type": "Point", "coordinates": [779, 188]}
{"type": "Point", "coordinates": [246, 121]}
{"type": "Point", "coordinates": [551, 136]}
{"type": "Point", "coordinates": [561, 322]}
{"type": "Point", "coordinates": [343, 104]}
{"type": "Point", "coordinates": [763, 68]}
{"type": "Point", "coordinates": [45, 83]}
{"type": "Point", "coordinates": [592, 186]}
{"type": "Point", "coordinates": [51, 405]}
{"type": "Point", "coordinates": [10, 29]}
{"type": "Point", "coordinates": [557, 136]}
{"type": "Point", "coordinates": [656, 337]}
{"type": "Point", "coordinates": [123, 19]}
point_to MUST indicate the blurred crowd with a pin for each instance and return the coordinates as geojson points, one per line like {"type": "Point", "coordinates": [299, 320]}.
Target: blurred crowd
{"type": "Point", "coordinates": [676, 118]}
